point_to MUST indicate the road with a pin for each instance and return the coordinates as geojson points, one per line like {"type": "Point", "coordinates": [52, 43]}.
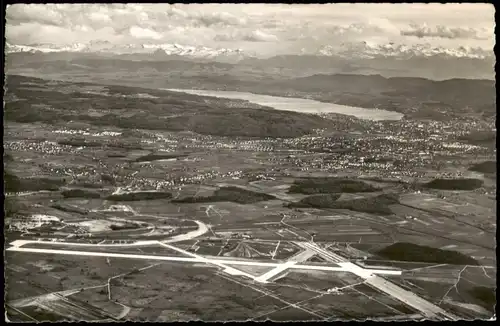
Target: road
{"type": "Point", "coordinates": [310, 249]}
{"type": "Point", "coordinates": [202, 229]}
{"type": "Point", "coordinates": [302, 255]}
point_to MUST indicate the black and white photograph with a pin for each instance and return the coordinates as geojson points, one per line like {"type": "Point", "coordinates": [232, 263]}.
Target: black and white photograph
{"type": "Point", "coordinates": [257, 162]}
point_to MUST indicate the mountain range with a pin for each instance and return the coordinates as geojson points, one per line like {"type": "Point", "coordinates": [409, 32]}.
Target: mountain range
{"type": "Point", "coordinates": [360, 50]}
{"type": "Point", "coordinates": [367, 50]}
{"type": "Point", "coordinates": [147, 50]}
{"type": "Point", "coordinates": [389, 60]}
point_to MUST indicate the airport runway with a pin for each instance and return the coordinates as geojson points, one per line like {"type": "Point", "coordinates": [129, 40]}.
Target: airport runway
{"type": "Point", "coordinates": [264, 278]}
{"type": "Point", "coordinates": [427, 308]}
{"type": "Point", "coordinates": [371, 276]}
{"type": "Point", "coordinates": [194, 259]}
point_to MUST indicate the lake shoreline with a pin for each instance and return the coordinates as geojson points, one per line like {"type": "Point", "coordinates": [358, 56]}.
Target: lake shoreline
{"type": "Point", "coordinates": [296, 104]}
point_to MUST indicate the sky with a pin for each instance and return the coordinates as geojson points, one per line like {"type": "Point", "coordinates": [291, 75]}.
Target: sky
{"type": "Point", "coordinates": [261, 28]}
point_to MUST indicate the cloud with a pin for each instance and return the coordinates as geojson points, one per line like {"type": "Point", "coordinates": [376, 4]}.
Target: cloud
{"type": "Point", "coordinates": [33, 33]}
{"type": "Point", "coordinates": [226, 37]}
{"type": "Point", "coordinates": [259, 27]}
{"type": "Point", "coordinates": [248, 36]}
{"type": "Point", "coordinates": [144, 33]}
{"type": "Point", "coordinates": [355, 29]}
{"type": "Point", "coordinates": [99, 17]}
{"type": "Point", "coordinates": [217, 18]}
{"type": "Point", "coordinates": [30, 13]}
{"type": "Point", "coordinates": [440, 31]}
{"type": "Point", "coordinates": [260, 36]}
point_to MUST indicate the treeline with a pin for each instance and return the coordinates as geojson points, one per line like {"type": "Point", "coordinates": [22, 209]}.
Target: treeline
{"type": "Point", "coordinates": [375, 204]}
{"type": "Point", "coordinates": [485, 167]}
{"type": "Point", "coordinates": [80, 193]}
{"type": "Point", "coordinates": [12, 207]}
{"type": "Point", "coordinates": [69, 208]}
{"type": "Point", "coordinates": [230, 194]}
{"type": "Point", "coordinates": [79, 142]}
{"type": "Point", "coordinates": [12, 183]}
{"type": "Point", "coordinates": [486, 296]}
{"type": "Point", "coordinates": [480, 138]}
{"type": "Point", "coordinates": [316, 201]}
{"type": "Point", "coordinates": [454, 184]}
{"type": "Point", "coordinates": [405, 251]}
{"type": "Point", "coordinates": [217, 122]}
{"type": "Point", "coordinates": [128, 226]}
{"type": "Point", "coordinates": [137, 196]}
{"type": "Point", "coordinates": [157, 156]}
{"type": "Point", "coordinates": [171, 111]}
{"type": "Point", "coordinates": [330, 185]}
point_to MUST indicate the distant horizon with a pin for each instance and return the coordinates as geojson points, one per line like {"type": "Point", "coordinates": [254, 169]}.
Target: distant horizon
{"type": "Point", "coordinates": [333, 74]}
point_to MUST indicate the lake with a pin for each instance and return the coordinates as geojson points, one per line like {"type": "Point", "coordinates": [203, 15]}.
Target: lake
{"type": "Point", "coordinates": [297, 104]}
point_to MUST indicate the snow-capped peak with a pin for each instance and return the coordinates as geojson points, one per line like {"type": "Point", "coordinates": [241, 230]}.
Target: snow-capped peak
{"type": "Point", "coordinates": [46, 48]}
{"type": "Point", "coordinates": [109, 48]}
{"type": "Point", "coordinates": [372, 50]}
{"type": "Point", "coordinates": [356, 50]}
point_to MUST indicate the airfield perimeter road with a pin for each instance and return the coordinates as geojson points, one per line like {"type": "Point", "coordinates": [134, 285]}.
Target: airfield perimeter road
{"type": "Point", "coordinates": [427, 308]}
{"type": "Point", "coordinates": [310, 248]}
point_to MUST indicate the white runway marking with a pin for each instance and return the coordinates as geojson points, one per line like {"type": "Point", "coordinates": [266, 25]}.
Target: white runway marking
{"type": "Point", "coordinates": [272, 273]}
{"type": "Point", "coordinates": [19, 243]}
{"type": "Point", "coordinates": [370, 275]}
{"type": "Point", "coordinates": [197, 259]}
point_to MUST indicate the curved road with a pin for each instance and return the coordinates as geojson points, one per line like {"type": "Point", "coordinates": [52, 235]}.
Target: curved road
{"type": "Point", "coordinates": [202, 229]}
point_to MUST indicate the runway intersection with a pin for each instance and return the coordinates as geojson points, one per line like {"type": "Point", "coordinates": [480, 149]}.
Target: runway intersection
{"type": "Point", "coordinates": [373, 277]}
